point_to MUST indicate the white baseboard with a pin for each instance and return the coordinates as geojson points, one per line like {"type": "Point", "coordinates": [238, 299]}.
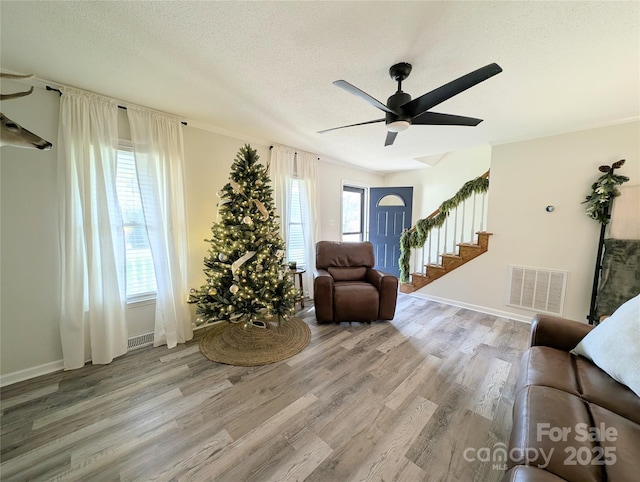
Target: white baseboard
{"type": "Point", "coordinates": [27, 373]}
{"type": "Point", "coordinates": [469, 306]}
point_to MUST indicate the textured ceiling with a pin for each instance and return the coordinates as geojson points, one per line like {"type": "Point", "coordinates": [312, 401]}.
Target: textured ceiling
{"type": "Point", "coordinates": [263, 70]}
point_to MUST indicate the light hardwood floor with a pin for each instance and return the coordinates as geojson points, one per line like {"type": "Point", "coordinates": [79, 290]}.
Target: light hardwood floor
{"type": "Point", "coordinates": [398, 400]}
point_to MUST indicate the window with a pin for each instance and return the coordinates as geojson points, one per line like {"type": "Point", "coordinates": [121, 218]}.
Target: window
{"type": "Point", "coordinates": [353, 213]}
{"type": "Point", "coordinates": [140, 275]}
{"type": "Point", "coordinates": [297, 219]}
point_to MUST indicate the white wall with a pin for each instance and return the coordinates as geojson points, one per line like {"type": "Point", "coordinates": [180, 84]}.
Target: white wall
{"type": "Point", "coordinates": [525, 178]}
{"type": "Point", "coordinates": [30, 269]}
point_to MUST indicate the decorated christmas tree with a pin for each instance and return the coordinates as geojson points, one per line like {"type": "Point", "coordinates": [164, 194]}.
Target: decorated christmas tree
{"type": "Point", "coordinates": [247, 279]}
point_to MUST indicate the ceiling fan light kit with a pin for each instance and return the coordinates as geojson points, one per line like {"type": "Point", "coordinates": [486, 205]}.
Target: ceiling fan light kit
{"type": "Point", "coordinates": [398, 126]}
{"type": "Point", "coordinates": [401, 111]}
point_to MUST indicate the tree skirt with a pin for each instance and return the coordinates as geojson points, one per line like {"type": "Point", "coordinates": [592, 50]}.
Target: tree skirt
{"type": "Point", "coordinates": [233, 344]}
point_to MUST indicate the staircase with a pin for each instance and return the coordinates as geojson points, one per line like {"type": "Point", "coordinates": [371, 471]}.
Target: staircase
{"type": "Point", "coordinates": [454, 243]}
{"type": "Point", "coordinates": [449, 262]}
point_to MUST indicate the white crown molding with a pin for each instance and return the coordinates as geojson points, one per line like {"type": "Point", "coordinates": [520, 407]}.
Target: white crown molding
{"type": "Point", "coordinates": [587, 127]}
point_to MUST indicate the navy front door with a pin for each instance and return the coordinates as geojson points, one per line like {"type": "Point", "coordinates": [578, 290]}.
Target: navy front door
{"type": "Point", "coordinates": [389, 215]}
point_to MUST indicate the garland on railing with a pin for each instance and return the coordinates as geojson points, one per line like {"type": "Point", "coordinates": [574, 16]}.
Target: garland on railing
{"type": "Point", "coordinates": [603, 191]}
{"type": "Point", "coordinates": [415, 238]}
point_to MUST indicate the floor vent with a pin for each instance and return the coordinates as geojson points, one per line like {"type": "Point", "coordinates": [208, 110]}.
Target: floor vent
{"type": "Point", "coordinates": [535, 289]}
{"type": "Point", "coordinates": [140, 341]}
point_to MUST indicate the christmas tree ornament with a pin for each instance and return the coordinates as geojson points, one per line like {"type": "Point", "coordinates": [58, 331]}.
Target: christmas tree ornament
{"type": "Point", "coordinates": [247, 220]}
{"type": "Point", "coordinates": [213, 291]}
{"type": "Point", "coordinates": [223, 257]}
{"type": "Point", "coordinates": [233, 289]}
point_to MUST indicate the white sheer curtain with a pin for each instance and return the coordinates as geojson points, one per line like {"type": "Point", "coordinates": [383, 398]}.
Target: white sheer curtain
{"type": "Point", "coordinates": [281, 169]}
{"type": "Point", "coordinates": [307, 173]}
{"type": "Point", "coordinates": [286, 164]}
{"type": "Point", "coordinates": [158, 151]}
{"type": "Point", "coordinates": [93, 297]}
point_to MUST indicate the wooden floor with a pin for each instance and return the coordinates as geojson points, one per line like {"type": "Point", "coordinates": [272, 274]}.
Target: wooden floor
{"type": "Point", "coordinates": [398, 400]}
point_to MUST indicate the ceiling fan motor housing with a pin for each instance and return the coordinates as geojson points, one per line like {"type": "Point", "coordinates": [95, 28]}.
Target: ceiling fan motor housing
{"type": "Point", "coordinates": [394, 103]}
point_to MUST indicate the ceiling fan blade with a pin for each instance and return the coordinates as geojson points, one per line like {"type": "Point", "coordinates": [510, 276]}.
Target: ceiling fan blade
{"type": "Point", "coordinates": [352, 89]}
{"type": "Point", "coordinates": [425, 102]}
{"type": "Point", "coordinates": [437, 119]}
{"type": "Point", "coordinates": [391, 136]}
{"type": "Point", "coordinates": [351, 125]}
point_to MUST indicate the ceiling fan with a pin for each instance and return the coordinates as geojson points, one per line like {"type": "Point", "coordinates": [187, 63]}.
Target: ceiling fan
{"type": "Point", "coordinates": [401, 111]}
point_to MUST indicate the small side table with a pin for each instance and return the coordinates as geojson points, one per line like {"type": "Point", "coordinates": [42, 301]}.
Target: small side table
{"type": "Point", "coordinates": [299, 272]}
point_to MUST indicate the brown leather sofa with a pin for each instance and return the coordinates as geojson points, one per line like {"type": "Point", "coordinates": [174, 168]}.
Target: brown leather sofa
{"type": "Point", "coordinates": [347, 288]}
{"type": "Point", "coordinates": [571, 421]}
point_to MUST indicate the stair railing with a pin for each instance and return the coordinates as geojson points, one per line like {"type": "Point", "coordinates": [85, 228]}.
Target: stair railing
{"type": "Point", "coordinates": [456, 221]}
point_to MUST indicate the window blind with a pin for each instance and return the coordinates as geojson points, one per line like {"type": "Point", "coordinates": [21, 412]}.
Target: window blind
{"type": "Point", "coordinates": [297, 218]}
{"type": "Point", "coordinates": [140, 275]}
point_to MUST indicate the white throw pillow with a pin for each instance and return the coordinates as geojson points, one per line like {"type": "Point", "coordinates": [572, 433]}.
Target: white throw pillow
{"type": "Point", "coordinates": [614, 345]}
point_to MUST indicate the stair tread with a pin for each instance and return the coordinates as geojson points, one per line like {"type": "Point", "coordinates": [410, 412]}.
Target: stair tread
{"type": "Point", "coordinates": [469, 245]}
{"type": "Point", "coordinates": [450, 255]}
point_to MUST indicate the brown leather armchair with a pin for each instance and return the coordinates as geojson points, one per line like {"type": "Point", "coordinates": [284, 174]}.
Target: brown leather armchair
{"type": "Point", "coordinates": [347, 288]}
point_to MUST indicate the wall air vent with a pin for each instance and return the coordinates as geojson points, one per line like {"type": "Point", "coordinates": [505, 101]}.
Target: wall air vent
{"type": "Point", "coordinates": [539, 290]}
{"type": "Point", "coordinates": [140, 341]}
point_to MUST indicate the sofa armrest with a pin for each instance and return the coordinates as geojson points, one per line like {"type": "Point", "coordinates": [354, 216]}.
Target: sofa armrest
{"type": "Point", "coordinates": [387, 286]}
{"type": "Point", "coordinates": [555, 332]}
{"type": "Point", "coordinates": [323, 295]}
{"type": "Point", "coordinates": [374, 277]}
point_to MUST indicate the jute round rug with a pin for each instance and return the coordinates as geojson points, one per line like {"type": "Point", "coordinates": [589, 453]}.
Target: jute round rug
{"type": "Point", "coordinates": [233, 344]}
